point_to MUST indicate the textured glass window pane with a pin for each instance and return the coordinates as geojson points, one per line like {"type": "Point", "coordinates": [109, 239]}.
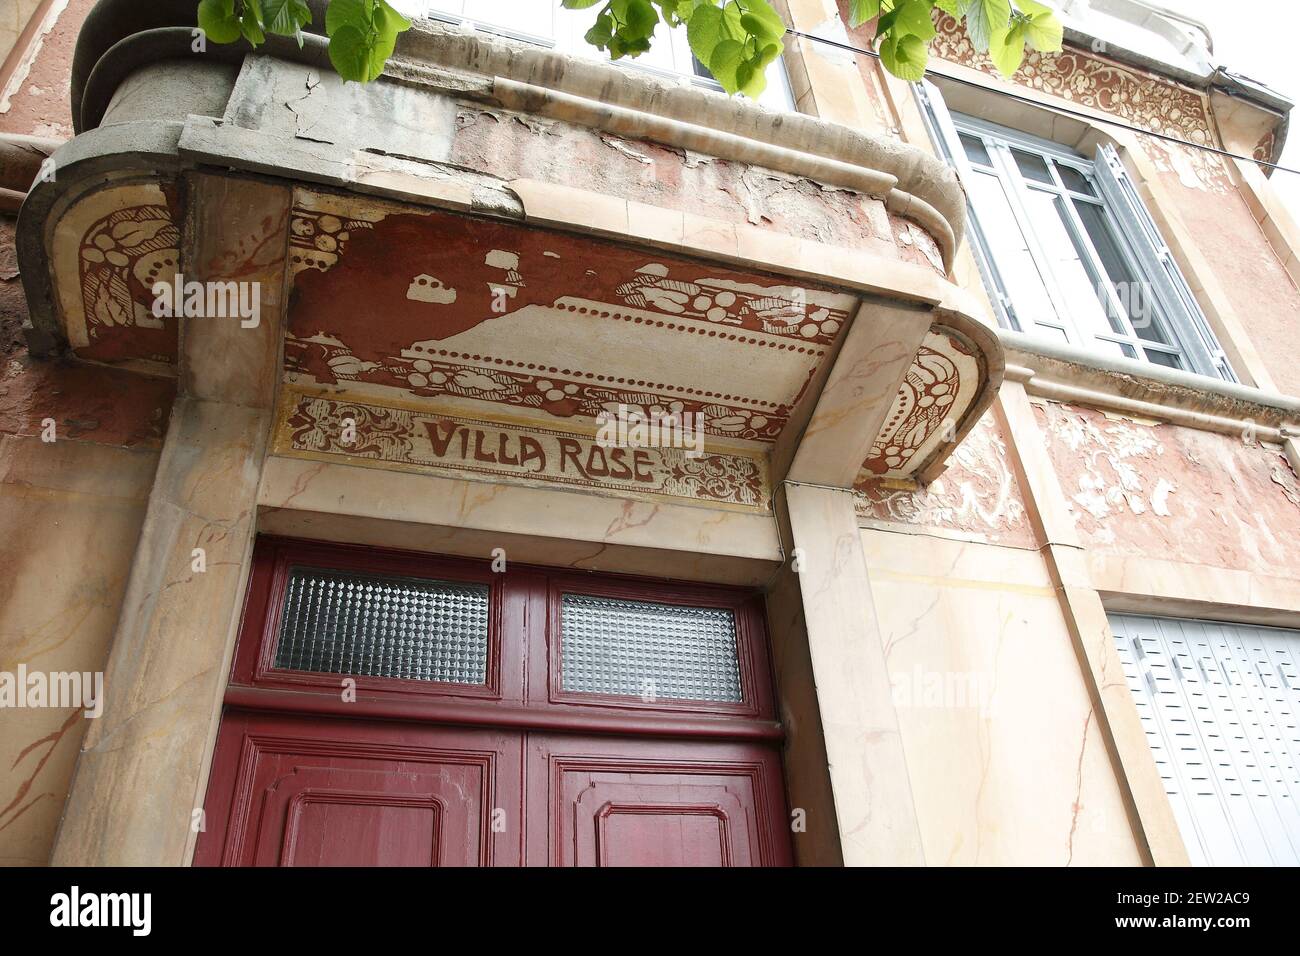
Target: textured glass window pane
{"type": "Point", "coordinates": [652, 651]}
{"type": "Point", "coordinates": [380, 625]}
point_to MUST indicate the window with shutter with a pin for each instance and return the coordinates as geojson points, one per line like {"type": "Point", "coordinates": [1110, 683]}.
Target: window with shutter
{"type": "Point", "coordinates": [1066, 248]}
{"type": "Point", "coordinates": [1220, 704]}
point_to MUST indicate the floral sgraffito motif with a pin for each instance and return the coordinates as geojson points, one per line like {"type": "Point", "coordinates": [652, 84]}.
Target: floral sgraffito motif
{"type": "Point", "coordinates": [316, 240]}
{"type": "Point", "coordinates": [713, 477]}
{"type": "Point", "coordinates": [928, 392]}
{"type": "Point", "coordinates": [377, 432]}
{"type": "Point", "coordinates": [727, 303]}
{"type": "Point", "coordinates": [1148, 102]}
{"type": "Point", "coordinates": [121, 257]}
{"type": "Point", "coordinates": [328, 359]}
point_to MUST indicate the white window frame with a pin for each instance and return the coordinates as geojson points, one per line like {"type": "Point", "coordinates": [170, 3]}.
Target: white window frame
{"type": "Point", "coordinates": [1177, 316]}
{"type": "Point", "coordinates": [670, 56]}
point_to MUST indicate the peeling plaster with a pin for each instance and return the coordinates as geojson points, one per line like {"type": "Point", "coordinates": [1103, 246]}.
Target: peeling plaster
{"type": "Point", "coordinates": [1172, 492]}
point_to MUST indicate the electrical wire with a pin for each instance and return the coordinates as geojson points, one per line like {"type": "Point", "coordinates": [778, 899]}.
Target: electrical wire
{"type": "Point", "coordinates": [1063, 110]}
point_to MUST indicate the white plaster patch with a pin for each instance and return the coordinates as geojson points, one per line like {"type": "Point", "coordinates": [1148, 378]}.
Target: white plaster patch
{"type": "Point", "coordinates": [1160, 497]}
{"type": "Point", "coordinates": [427, 288]}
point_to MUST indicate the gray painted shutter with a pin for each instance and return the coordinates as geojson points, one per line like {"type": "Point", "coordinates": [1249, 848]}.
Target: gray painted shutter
{"type": "Point", "coordinates": [1183, 316]}
{"type": "Point", "coordinates": [1220, 704]}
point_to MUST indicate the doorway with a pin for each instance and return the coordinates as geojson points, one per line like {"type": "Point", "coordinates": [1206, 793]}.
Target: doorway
{"type": "Point", "coordinates": [395, 709]}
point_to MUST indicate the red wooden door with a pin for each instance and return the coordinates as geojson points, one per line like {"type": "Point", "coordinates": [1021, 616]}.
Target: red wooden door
{"type": "Point", "coordinates": [348, 740]}
{"type": "Point", "coordinates": [614, 802]}
{"type": "Point", "coordinates": [340, 792]}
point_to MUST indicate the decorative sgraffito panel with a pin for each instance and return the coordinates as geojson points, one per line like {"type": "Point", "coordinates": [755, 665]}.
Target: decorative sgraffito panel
{"type": "Point", "coordinates": [1143, 100]}
{"type": "Point", "coordinates": [110, 250]}
{"type": "Point", "coordinates": [485, 313]}
{"type": "Point", "coordinates": [933, 399]}
{"type": "Point", "coordinates": [978, 497]}
{"type": "Point", "coordinates": [328, 429]}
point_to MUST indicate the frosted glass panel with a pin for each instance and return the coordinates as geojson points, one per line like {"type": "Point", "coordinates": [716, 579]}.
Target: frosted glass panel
{"type": "Point", "coordinates": [652, 651]}
{"type": "Point", "coordinates": [375, 625]}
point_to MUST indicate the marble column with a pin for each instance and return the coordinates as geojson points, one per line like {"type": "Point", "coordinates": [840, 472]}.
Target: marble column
{"type": "Point", "coordinates": [824, 595]}
{"type": "Point", "coordinates": [142, 774]}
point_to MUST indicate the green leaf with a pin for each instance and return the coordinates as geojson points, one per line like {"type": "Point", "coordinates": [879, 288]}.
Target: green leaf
{"type": "Point", "coordinates": [250, 24]}
{"type": "Point", "coordinates": [860, 11]}
{"type": "Point", "coordinates": [750, 79]}
{"type": "Point", "coordinates": [762, 21]}
{"type": "Point", "coordinates": [350, 54]}
{"type": "Point", "coordinates": [285, 17]}
{"type": "Point", "coordinates": [950, 7]}
{"type": "Point", "coordinates": [348, 13]}
{"type": "Point", "coordinates": [1042, 29]}
{"type": "Point", "coordinates": [601, 31]}
{"type": "Point", "coordinates": [1007, 48]}
{"type": "Point", "coordinates": [983, 17]}
{"type": "Point", "coordinates": [217, 19]}
{"type": "Point", "coordinates": [913, 18]}
{"type": "Point", "coordinates": [905, 56]}
{"type": "Point", "coordinates": [726, 59]}
{"type": "Point", "coordinates": [578, 4]}
{"type": "Point", "coordinates": [640, 20]}
{"type": "Point", "coordinates": [388, 20]}
{"type": "Point", "coordinates": [704, 31]}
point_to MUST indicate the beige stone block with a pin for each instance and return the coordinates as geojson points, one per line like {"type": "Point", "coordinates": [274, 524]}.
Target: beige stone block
{"type": "Point", "coordinates": [766, 248]}
{"type": "Point", "coordinates": [878, 350]}
{"type": "Point", "coordinates": [567, 206]}
{"type": "Point", "coordinates": [868, 767]}
{"type": "Point", "coordinates": [710, 236]}
{"type": "Point", "coordinates": [663, 227]}
{"type": "Point", "coordinates": [239, 235]}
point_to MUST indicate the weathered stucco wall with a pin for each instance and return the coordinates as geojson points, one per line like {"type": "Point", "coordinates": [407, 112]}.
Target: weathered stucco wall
{"type": "Point", "coordinates": [1164, 491]}
{"type": "Point", "coordinates": [512, 145]}
{"type": "Point", "coordinates": [1220, 224]}
{"type": "Point", "coordinates": [979, 496]}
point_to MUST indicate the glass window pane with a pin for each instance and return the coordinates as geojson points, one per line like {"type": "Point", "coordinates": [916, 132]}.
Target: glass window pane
{"type": "Point", "coordinates": [1167, 359]}
{"type": "Point", "coordinates": [1032, 166]}
{"type": "Point", "coordinates": [976, 151]}
{"type": "Point", "coordinates": [646, 650]}
{"type": "Point", "coordinates": [1075, 180]}
{"type": "Point", "coordinates": [1009, 252]}
{"type": "Point", "coordinates": [1132, 291]}
{"type": "Point", "coordinates": [378, 625]}
{"type": "Point", "coordinates": [1084, 298]}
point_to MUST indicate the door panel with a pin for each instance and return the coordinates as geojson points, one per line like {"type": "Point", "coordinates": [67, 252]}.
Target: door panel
{"type": "Point", "coordinates": [361, 793]}
{"type": "Point", "coordinates": [624, 802]}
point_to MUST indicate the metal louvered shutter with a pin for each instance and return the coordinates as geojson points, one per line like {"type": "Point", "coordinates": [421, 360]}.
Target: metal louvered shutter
{"type": "Point", "coordinates": [1220, 704]}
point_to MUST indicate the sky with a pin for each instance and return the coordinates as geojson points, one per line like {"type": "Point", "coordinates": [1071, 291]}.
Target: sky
{"type": "Point", "coordinates": [1260, 39]}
